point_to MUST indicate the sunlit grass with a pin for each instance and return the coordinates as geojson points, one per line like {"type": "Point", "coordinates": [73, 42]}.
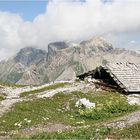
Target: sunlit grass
{"type": "Point", "coordinates": [2, 96]}
{"type": "Point", "coordinates": [12, 85]}
{"type": "Point", "coordinates": [130, 132]}
{"type": "Point", "coordinates": [61, 109]}
{"type": "Point", "coordinates": [54, 86]}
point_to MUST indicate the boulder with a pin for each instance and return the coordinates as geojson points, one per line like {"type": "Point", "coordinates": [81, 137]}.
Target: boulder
{"type": "Point", "coordinates": [85, 102]}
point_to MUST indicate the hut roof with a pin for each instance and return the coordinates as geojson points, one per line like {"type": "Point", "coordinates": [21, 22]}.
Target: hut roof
{"type": "Point", "coordinates": [126, 75]}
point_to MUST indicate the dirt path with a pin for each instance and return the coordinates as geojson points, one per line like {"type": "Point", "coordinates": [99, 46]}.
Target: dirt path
{"type": "Point", "coordinates": [6, 104]}
{"type": "Point", "coordinates": [13, 95]}
{"type": "Point", "coordinates": [43, 128]}
{"type": "Point", "coordinates": [121, 122]}
{"type": "Point", "coordinates": [67, 89]}
{"type": "Point", "coordinates": [125, 121]}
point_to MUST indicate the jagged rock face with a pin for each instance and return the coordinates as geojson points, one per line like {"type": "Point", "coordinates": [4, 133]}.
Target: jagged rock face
{"type": "Point", "coordinates": [53, 48]}
{"type": "Point", "coordinates": [92, 48]}
{"type": "Point", "coordinates": [59, 45]}
{"type": "Point", "coordinates": [29, 55]}
{"type": "Point", "coordinates": [62, 62]}
{"type": "Point", "coordinates": [98, 44]}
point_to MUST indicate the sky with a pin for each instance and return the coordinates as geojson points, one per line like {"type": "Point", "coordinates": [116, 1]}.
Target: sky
{"type": "Point", "coordinates": [28, 10]}
{"type": "Point", "coordinates": [38, 22]}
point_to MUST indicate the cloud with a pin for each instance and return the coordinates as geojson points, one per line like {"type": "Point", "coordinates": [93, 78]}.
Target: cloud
{"type": "Point", "coordinates": [116, 20]}
{"type": "Point", "coordinates": [132, 42]}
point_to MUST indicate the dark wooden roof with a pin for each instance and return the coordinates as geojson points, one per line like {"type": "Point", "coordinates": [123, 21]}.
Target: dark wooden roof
{"type": "Point", "coordinates": [82, 76]}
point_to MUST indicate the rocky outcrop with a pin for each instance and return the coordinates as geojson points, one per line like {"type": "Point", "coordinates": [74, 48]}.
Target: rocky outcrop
{"type": "Point", "coordinates": [98, 44]}
{"type": "Point", "coordinates": [30, 55]}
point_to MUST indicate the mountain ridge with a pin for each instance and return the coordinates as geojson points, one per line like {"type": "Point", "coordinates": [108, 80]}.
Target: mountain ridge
{"type": "Point", "coordinates": [63, 61]}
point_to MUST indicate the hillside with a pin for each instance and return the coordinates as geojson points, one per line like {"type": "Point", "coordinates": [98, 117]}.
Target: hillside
{"type": "Point", "coordinates": [63, 61]}
{"type": "Point", "coordinates": [53, 111]}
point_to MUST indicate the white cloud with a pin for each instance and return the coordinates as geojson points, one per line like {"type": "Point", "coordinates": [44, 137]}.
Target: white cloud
{"type": "Point", "coordinates": [74, 21]}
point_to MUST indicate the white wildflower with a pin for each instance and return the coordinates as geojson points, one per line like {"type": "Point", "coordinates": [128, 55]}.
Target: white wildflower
{"type": "Point", "coordinates": [19, 124]}
{"type": "Point", "coordinates": [15, 124]}
{"type": "Point", "coordinates": [25, 119]}
{"type": "Point", "coordinates": [28, 121]}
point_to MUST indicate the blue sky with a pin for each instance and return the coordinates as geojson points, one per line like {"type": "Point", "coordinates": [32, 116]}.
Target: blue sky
{"type": "Point", "coordinates": [28, 10]}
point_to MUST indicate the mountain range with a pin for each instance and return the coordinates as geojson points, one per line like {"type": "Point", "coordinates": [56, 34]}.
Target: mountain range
{"type": "Point", "coordinates": [62, 61]}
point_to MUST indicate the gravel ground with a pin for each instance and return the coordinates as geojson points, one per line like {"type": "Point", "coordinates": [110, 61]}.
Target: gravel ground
{"type": "Point", "coordinates": [13, 95]}
{"type": "Point", "coordinates": [68, 89]}
{"type": "Point", "coordinates": [125, 121]}
{"type": "Point", "coordinates": [43, 128]}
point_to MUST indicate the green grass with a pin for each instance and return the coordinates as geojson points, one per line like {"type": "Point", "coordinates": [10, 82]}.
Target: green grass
{"type": "Point", "coordinates": [107, 108]}
{"type": "Point", "coordinates": [82, 133]}
{"type": "Point", "coordinates": [77, 80]}
{"type": "Point", "coordinates": [54, 86]}
{"type": "Point", "coordinates": [11, 84]}
{"type": "Point", "coordinates": [61, 109]}
{"type": "Point", "coordinates": [2, 96]}
{"type": "Point", "coordinates": [131, 132]}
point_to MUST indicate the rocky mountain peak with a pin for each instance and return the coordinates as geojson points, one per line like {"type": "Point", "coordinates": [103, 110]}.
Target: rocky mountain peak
{"type": "Point", "coordinates": [98, 43]}
{"type": "Point", "coordinates": [54, 47]}
{"type": "Point", "coordinates": [59, 45]}
{"type": "Point", "coordinates": [30, 55]}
